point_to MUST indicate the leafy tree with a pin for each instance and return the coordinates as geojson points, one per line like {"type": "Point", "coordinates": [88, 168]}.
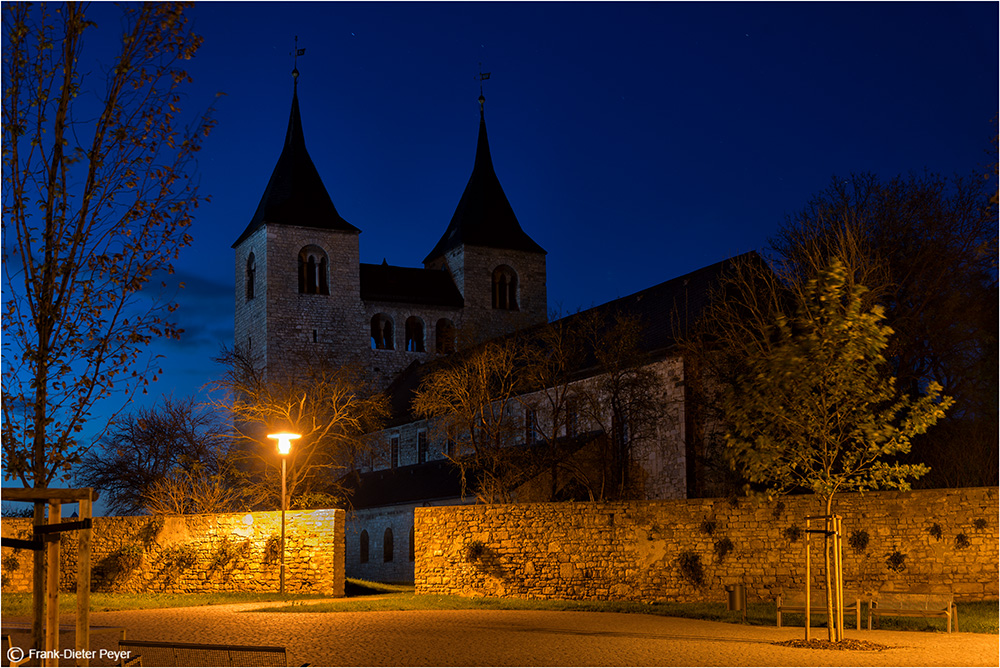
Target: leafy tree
{"type": "Point", "coordinates": [332, 408]}
{"type": "Point", "coordinates": [96, 200]}
{"type": "Point", "coordinates": [171, 457]}
{"type": "Point", "coordinates": [926, 248]}
{"type": "Point", "coordinates": [815, 409]}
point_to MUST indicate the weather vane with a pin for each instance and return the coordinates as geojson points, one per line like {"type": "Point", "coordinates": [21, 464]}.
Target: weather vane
{"type": "Point", "coordinates": [296, 53]}
{"type": "Point", "coordinates": [483, 76]}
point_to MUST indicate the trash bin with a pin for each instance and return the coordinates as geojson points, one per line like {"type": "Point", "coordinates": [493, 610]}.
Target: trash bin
{"type": "Point", "coordinates": [737, 597]}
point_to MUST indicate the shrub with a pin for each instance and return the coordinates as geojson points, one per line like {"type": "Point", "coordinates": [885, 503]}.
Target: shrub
{"type": "Point", "coordinates": [935, 530]}
{"type": "Point", "coordinates": [691, 569]}
{"type": "Point", "coordinates": [474, 551]}
{"type": "Point", "coordinates": [792, 534]}
{"type": "Point", "coordinates": [272, 550]}
{"type": "Point", "coordinates": [10, 563]}
{"type": "Point", "coordinates": [722, 548]}
{"type": "Point", "coordinates": [896, 561]}
{"type": "Point", "coordinates": [980, 524]}
{"type": "Point", "coordinates": [708, 527]}
{"type": "Point", "coordinates": [962, 541]}
{"type": "Point", "coordinates": [858, 540]}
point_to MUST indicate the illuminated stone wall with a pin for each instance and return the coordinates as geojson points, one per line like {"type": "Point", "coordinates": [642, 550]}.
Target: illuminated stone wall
{"type": "Point", "coordinates": [689, 550]}
{"type": "Point", "coordinates": [197, 553]}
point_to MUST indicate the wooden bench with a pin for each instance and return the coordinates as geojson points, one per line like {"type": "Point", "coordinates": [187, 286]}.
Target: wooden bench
{"type": "Point", "coordinates": [903, 604]}
{"type": "Point", "coordinates": [795, 603]}
{"type": "Point", "coordinates": [154, 653]}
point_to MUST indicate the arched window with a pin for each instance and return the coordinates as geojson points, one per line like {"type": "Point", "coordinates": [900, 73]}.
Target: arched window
{"type": "Point", "coordinates": [387, 546]}
{"type": "Point", "coordinates": [504, 288]}
{"type": "Point", "coordinates": [444, 339]}
{"type": "Point", "coordinates": [313, 267]}
{"type": "Point", "coordinates": [413, 549]}
{"type": "Point", "coordinates": [251, 275]}
{"type": "Point", "coordinates": [382, 334]}
{"type": "Point", "coordinates": [414, 334]}
{"type": "Point", "coordinates": [363, 547]}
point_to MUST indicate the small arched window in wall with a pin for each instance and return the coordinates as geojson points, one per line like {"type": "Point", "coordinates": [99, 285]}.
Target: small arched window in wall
{"type": "Point", "coordinates": [445, 336]}
{"type": "Point", "coordinates": [382, 334]}
{"type": "Point", "coordinates": [414, 334]}
{"type": "Point", "coordinates": [363, 547]}
{"type": "Point", "coordinates": [413, 549]}
{"type": "Point", "coordinates": [387, 545]}
{"type": "Point", "coordinates": [251, 275]}
{"type": "Point", "coordinates": [313, 269]}
{"type": "Point", "coordinates": [504, 288]}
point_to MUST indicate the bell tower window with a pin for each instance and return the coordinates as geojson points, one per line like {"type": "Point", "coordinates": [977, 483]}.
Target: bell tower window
{"type": "Point", "coordinates": [505, 288]}
{"type": "Point", "coordinates": [313, 269]}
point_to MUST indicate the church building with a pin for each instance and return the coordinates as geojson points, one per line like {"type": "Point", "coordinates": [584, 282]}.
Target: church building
{"type": "Point", "coordinates": [302, 292]}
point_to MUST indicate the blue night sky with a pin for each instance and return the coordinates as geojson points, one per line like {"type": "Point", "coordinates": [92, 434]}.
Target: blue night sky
{"type": "Point", "coordinates": [636, 142]}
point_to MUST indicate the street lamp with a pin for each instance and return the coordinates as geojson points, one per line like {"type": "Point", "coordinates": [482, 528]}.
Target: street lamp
{"type": "Point", "coordinates": [284, 447]}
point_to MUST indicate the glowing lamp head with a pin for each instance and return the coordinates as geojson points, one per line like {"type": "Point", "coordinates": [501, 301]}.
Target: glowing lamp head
{"type": "Point", "coordinates": [284, 441]}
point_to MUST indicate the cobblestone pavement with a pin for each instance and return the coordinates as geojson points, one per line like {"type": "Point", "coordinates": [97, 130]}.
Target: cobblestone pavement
{"type": "Point", "coordinates": [528, 638]}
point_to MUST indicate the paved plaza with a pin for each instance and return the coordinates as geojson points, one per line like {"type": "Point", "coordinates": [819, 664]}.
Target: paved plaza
{"type": "Point", "coordinates": [525, 638]}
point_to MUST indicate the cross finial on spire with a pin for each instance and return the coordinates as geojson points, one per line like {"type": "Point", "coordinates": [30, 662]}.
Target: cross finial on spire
{"type": "Point", "coordinates": [295, 63]}
{"type": "Point", "coordinates": [483, 76]}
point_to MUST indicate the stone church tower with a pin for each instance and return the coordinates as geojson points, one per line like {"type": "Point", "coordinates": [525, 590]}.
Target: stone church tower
{"type": "Point", "coordinates": [303, 295]}
{"type": "Point", "coordinates": [499, 269]}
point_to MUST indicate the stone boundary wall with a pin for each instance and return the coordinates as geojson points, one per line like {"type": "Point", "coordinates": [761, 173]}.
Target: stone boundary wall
{"type": "Point", "coordinates": [196, 553]}
{"type": "Point", "coordinates": [689, 550]}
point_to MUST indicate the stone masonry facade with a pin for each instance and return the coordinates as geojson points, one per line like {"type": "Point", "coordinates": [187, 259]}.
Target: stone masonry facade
{"type": "Point", "coordinates": [934, 541]}
{"type": "Point", "coordinates": [197, 553]}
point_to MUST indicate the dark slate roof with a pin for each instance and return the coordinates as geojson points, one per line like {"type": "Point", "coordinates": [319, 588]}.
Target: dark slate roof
{"type": "Point", "coordinates": [666, 311]}
{"type": "Point", "coordinates": [407, 285]}
{"type": "Point", "coordinates": [295, 195]}
{"type": "Point", "coordinates": [484, 217]}
{"type": "Point", "coordinates": [437, 479]}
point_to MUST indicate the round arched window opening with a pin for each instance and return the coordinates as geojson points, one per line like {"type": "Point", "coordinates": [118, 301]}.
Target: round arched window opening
{"type": "Point", "coordinates": [313, 270]}
{"type": "Point", "coordinates": [387, 546]}
{"type": "Point", "coordinates": [382, 335]}
{"type": "Point", "coordinates": [505, 288]}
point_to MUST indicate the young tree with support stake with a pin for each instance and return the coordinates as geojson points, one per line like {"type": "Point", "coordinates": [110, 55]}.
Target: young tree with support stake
{"type": "Point", "coordinates": [96, 200]}
{"type": "Point", "coordinates": [815, 408]}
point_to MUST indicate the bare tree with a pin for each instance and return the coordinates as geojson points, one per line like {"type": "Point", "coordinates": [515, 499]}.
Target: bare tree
{"type": "Point", "coordinates": [553, 357]}
{"type": "Point", "coordinates": [472, 400]}
{"type": "Point", "coordinates": [96, 200]}
{"type": "Point", "coordinates": [623, 398]}
{"type": "Point", "coordinates": [176, 441]}
{"type": "Point", "coordinates": [333, 409]}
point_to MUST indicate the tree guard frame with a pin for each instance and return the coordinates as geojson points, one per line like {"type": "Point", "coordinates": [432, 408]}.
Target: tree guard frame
{"type": "Point", "coordinates": [46, 536]}
{"type": "Point", "coordinates": [833, 527]}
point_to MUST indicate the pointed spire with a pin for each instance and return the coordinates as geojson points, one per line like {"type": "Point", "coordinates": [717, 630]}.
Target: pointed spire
{"type": "Point", "coordinates": [484, 216]}
{"type": "Point", "coordinates": [295, 194]}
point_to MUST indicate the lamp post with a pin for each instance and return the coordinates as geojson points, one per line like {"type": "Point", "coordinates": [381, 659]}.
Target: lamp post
{"type": "Point", "coordinates": [284, 447]}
